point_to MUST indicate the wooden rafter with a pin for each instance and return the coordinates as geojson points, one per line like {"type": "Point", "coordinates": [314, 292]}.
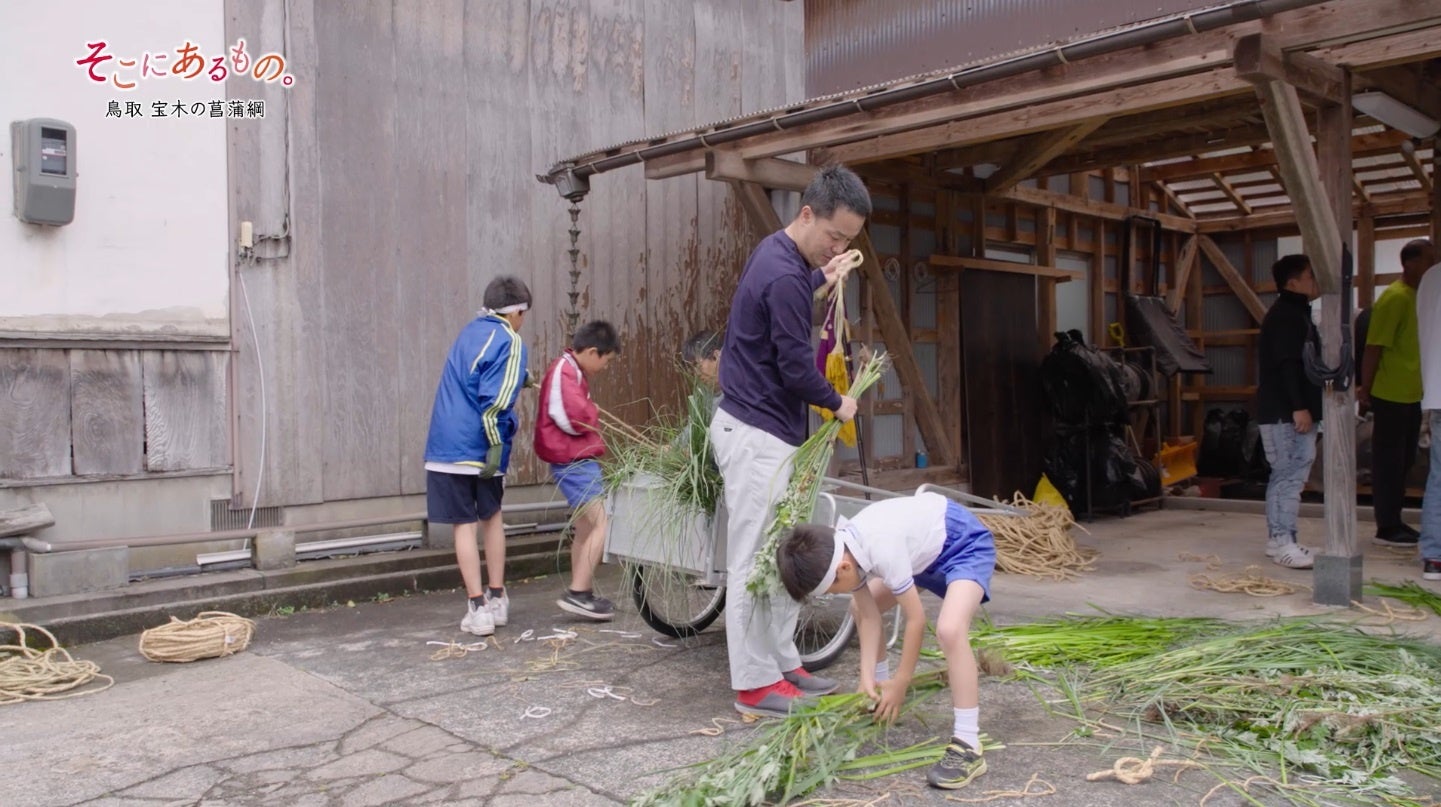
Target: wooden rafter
{"type": "Point", "coordinates": [1258, 54]}
{"type": "Point", "coordinates": [1391, 205]}
{"type": "Point", "coordinates": [1362, 146]}
{"type": "Point", "coordinates": [757, 206]}
{"type": "Point", "coordinates": [1417, 170]}
{"type": "Point", "coordinates": [1171, 197]}
{"type": "Point", "coordinates": [1233, 278]}
{"type": "Point", "coordinates": [1042, 149]}
{"type": "Point", "coordinates": [1226, 188]}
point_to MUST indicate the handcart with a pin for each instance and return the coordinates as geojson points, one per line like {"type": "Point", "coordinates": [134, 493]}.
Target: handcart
{"type": "Point", "coordinates": [676, 571]}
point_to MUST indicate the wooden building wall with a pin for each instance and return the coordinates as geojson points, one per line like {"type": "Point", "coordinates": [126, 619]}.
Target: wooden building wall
{"type": "Point", "coordinates": [401, 180]}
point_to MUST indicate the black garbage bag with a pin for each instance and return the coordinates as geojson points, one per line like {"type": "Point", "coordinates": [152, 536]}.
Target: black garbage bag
{"type": "Point", "coordinates": [1114, 479]}
{"type": "Point", "coordinates": [1081, 383]}
{"type": "Point", "coordinates": [1228, 442]}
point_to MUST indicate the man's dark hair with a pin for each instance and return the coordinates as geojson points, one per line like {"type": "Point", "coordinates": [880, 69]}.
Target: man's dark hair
{"type": "Point", "coordinates": [702, 345]}
{"type": "Point", "coordinates": [505, 290]}
{"type": "Point", "coordinates": [1413, 249]}
{"type": "Point", "coordinates": [833, 187]}
{"type": "Point", "coordinates": [597, 334]}
{"type": "Point", "coordinates": [804, 557]}
{"type": "Point", "coordinates": [1287, 268]}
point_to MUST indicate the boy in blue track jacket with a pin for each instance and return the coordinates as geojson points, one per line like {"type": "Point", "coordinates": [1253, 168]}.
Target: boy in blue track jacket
{"type": "Point", "coordinates": [467, 452]}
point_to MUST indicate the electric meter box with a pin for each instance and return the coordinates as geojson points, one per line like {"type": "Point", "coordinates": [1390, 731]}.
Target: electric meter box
{"type": "Point", "coordinates": [43, 151]}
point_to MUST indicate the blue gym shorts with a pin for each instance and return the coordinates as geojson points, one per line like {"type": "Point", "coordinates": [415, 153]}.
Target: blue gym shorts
{"type": "Point", "coordinates": [969, 553]}
{"type": "Point", "coordinates": [461, 498]}
{"type": "Point", "coordinates": [580, 481]}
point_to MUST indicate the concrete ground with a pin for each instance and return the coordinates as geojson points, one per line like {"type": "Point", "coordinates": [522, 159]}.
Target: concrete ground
{"type": "Point", "coordinates": [346, 706]}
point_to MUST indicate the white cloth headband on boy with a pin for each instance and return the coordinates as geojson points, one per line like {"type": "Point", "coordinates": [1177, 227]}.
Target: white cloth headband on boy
{"type": "Point", "coordinates": [511, 309]}
{"type": "Point", "coordinates": [829, 578]}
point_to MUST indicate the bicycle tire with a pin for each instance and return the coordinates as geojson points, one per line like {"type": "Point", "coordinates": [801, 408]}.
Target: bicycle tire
{"type": "Point", "coordinates": [823, 631]}
{"type": "Point", "coordinates": [673, 602]}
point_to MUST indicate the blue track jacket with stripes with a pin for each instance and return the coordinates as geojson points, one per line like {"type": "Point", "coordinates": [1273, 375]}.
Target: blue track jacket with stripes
{"type": "Point", "coordinates": [475, 401]}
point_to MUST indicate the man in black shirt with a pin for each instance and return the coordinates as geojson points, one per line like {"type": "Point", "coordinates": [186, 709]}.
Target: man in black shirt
{"type": "Point", "coordinates": [1289, 406]}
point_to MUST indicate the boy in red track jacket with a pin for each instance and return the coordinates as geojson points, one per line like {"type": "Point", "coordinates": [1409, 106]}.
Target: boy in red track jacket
{"type": "Point", "coordinates": [567, 435]}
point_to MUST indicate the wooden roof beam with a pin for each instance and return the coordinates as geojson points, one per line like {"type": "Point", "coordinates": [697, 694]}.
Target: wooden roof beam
{"type": "Point", "coordinates": [1040, 150]}
{"type": "Point", "coordinates": [1163, 148]}
{"type": "Point", "coordinates": [1171, 197]}
{"type": "Point", "coordinates": [1261, 55]}
{"type": "Point", "coordinates": [769, 172]}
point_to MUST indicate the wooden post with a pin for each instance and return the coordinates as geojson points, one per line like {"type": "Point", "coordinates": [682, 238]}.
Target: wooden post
{"type": "Point", "coordinates": [1338, 573]}
{"type": "Point", "coordinates": [948, 328]}
{"type": "Point", "coordinates": [1046, 287]}
{"type": "Point", "coordinates": [1365, 263]}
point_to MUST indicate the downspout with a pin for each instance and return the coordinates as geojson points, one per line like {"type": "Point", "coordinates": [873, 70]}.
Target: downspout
{"type": "Point", "coordinates": [572, 179]}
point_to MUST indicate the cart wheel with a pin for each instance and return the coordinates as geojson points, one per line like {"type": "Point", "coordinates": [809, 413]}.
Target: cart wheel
{"type": "Point", "coordinates": [674, 602]}
{"type": "Point", "coordinates": [823, 630]}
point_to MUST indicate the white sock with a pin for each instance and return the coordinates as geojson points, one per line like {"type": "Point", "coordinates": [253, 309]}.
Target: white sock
{"type": "Point", "coordinates": [968, 728]}
{"type": "Point", "coordinates": [883, 670]}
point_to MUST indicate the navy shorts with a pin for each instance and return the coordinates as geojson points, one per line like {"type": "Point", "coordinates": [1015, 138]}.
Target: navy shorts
{"type": "Point", "coordinates": [580, 481]}
{"type": "Point", "coordinates": [461, 498]}
{"type": "Point", "coordinates": [968, 554]}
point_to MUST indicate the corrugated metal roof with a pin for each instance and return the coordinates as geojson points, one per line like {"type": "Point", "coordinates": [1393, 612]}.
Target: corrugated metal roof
{"type": "Point", "coordinates": [1219, 14]}
{"type": "Point", "coordinates": [854, 43]}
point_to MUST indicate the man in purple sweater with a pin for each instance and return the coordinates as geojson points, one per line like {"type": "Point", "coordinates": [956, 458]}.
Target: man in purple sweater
{"type": "Point", "coordinates": [768, 377]}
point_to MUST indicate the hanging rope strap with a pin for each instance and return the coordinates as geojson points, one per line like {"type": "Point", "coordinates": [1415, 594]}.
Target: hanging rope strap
{"type": "Point", "coordinates": [27, 674]}
{"type": "Point", "coordinates": [209, 635]}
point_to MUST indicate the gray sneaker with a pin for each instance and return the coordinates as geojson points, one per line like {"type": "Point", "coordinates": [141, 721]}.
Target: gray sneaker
{"type": "Point", "coordinates": [586, 604]}
{"type": "Point", "coordinates": [811, 684]}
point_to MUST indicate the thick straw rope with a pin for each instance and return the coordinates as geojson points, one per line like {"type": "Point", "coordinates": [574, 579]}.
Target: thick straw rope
{"type": "Point", "coordinates": [1134, 770]}
{"type": "Point", "coordinates": [27, 674]}
{"type": "Point", "coordinates": [1037, 542]}
{"type": "Point", "coordinates": [1250, 581]}
{"type": "Point", "coordinates": [208, 635]}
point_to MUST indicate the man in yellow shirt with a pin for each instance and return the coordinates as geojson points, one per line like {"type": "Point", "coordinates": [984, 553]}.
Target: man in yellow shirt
{"type": "Point", "coordinates": [1391, 387]}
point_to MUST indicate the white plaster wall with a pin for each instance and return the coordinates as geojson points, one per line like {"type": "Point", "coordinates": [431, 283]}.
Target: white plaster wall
{"type": "Point", "coordinates": [147, 251]}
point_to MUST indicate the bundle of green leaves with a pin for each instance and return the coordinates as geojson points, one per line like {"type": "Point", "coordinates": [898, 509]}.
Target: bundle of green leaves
{"type": "Point", "coordinates": [808, 468]}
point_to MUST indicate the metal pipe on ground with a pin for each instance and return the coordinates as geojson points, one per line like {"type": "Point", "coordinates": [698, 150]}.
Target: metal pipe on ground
{"type": "Point", "coordinates": [236, 535]}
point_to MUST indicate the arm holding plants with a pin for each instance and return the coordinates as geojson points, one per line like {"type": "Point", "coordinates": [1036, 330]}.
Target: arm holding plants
{"type": "Point", "coordinates": [868, 628]}
{"type": "Point", "coordinates": [893, 692]}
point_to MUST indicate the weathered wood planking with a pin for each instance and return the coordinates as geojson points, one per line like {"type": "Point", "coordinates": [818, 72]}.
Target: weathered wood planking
{"type": "Point", "coordinates": [672, 259]}
{"type": "Point", "coordinates": [724, 239]}
{"type": "Point", "coordinates": [613, 84]}
{"type": "Point", "coordinates": [34, 414]}
{"type": "Point", "coordinates": [185, 408]}
{"type": "Point", "coordinates": [107, 412]}
{"type": "Point", "coordinates": [504, 200]}
{"type": "Point", "coordinates": [433, 297]}
{"type": "Point", "coordinates": [284, 294]}
{"type": "Point", "coordinates": [356, 125]}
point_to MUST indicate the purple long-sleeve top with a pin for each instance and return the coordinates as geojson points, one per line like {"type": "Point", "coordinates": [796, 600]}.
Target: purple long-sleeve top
{"type": "Point", "coordinates": [767, 371]}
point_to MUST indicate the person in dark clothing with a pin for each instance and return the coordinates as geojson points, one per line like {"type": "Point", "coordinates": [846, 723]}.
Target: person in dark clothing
{"type": "Point", "coordinates": [1391, 388]}
{"type": "Point", "coordinates": [768, 376]}
{"type": "Point", "coordinates": [1288, 406]}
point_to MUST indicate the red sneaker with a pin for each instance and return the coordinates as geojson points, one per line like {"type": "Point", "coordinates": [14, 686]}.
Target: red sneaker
{"type": "Point", "coordinates": [768, 701]}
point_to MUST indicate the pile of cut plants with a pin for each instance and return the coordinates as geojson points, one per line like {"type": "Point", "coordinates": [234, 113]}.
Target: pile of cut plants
{"type": "Point", "coordinates": [1294, 711]}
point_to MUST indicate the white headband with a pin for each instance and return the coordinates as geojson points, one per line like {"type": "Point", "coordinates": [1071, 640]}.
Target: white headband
{"type": "Point", "coordinates": [512, 309]}
{"type": "Point", "coordinates": [829, 578]}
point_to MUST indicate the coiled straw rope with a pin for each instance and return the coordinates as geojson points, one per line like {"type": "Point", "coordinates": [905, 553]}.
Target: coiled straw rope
{"type": "Point", "coordinates": [27, 674]}
{"type": "Point", "coordinates": [209, 635]}
{"type": "Point", "coordinates": [1037, 542]}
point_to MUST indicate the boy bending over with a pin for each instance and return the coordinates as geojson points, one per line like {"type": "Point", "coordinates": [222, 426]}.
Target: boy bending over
{"type": "Point", "coordinates": [880, 558]}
